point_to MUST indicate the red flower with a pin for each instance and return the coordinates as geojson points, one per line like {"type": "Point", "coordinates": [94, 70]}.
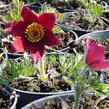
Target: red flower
{"type": "Point", "coordinates": [33, 33]}
{"type": "Point", "coordinates": [95, 55]}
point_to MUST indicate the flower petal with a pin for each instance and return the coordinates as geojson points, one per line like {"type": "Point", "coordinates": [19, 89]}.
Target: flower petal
{"type": "Point", "coordinates": [47, 20]}
{"type": "Point", "coordinates": [51, 39]}
{"type": "Point", "coordinates": [101, 65]}
{"type": "Point", "coordinates": [16, 28]}
{"type": "Point", "coordinates": [36, 52]}
{"type": "Point", "coordinates": [28, 15]}
{"type": "Point", "coordinates": [17, 45]}
{"type": "Point", "coordinates": [94, 53]}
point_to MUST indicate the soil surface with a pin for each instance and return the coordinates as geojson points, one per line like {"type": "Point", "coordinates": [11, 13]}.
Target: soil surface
{"type": "Point", "coordinates": [56, 84]}
{"type": "Point", "coordinates": [77, 20]}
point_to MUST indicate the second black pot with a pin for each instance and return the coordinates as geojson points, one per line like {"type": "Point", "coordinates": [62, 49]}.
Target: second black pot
{"type": "Point", "coordinates": [26, 97]}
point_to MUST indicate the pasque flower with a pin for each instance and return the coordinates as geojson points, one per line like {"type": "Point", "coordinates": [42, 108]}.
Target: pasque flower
{"type": "Point", "coordinates": [95, 55]}
{"type": "Point", "coordinates": [33, 33]}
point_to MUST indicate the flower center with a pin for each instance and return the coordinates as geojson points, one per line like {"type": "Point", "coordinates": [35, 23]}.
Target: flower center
{"type": "Point", "coordinates": [34, 32]}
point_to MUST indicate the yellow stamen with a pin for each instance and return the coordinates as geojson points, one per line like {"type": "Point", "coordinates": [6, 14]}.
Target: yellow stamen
{"type": "Point", "coordinates": [34, 32]}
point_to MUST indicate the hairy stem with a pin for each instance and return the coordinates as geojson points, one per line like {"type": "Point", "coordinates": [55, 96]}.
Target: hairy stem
{"type": "Point", "coordinates": [80, 87]}
{"type": "Point", "coordinates": [42, 71]}
{"type": "Point", "coordinates": [77, 100]}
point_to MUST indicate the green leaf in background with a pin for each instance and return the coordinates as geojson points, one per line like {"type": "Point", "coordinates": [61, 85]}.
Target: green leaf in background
{"type": "Point", "coordinates": [51, 58]}
{"type": "Point", "coordinates": [99, 87]}
{"type": "Point", "coordinates": [15, 12]}
{"type": "Point", "coordinates": [94, 11]}
{"type": "Point", "coordinates": [31, 1]}
{"type": "Point", "coordinates": [60, 16]}
{"type": "Point", "coordinates": [46, 8]}
{"type": "Point", "coordinates": [90, 19]}
{"type": "Point", "coordinates": [56, 30]}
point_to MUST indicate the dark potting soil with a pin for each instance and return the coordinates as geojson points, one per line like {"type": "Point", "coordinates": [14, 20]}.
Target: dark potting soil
{"type": "Point", "coordinates": [63, 6]}
{"type": "Point", "coordinates": [78, 21]}
{"type": "Point", "coordinates": [70, 5]}
{"type": "Point", "coordinates": [66, 6]}
{"type": "Point", "coordinates": [5, 101]}
{"type": "Point", "coordinates": [36, 85]}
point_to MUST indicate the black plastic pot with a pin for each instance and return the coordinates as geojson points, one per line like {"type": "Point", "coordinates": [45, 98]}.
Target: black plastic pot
{"type": "Point", "coordinates": [26, 97]}
{"type": "Point", "coordinates": [78, 32]}
{"type": "Point", "coordinates": [35, 7]}
{"type": "Point", "coordinates": [107, 1]}
{"type": "Point", "coordinates": [39, 104]}
{"type": "Point", "coordinates": [10, 91]}
{"type": "Point", "coordinates": [103, 35]}
{"type": "Point", "coordinates": [15, 56]}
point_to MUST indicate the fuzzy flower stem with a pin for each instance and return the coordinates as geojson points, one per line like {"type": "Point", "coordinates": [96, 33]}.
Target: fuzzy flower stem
{"type": "Point", "coordinates": [42, 71]}
{"type": "Point", "coordinates": [77, 100]}
{"type": "Point", "coordinates": [79, 87]}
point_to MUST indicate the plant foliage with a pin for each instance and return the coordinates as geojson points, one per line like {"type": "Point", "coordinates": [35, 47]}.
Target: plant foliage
{"type": "Point", "coordinates": [93, 11]}
{"type": "Point", "coordinates": [15, 13]}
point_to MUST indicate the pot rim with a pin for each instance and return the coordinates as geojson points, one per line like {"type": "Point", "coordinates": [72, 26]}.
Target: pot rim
{"type": "Point", "coordinates": [15, 100]}
{"type": "Point", "coordinates": [94, 35]}
{"type": "Point", "coordinates": [42, 93]}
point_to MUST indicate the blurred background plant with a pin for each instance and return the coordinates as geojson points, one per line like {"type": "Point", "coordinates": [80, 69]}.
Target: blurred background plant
{"type": "Point", "coordinates": [94, 11]}
{"type": "Point", "coordinates": [48, 1]}
{"type": "Point", "coordinates": [13, 12]}
{"type": "Point", "coordinates": [46, 8]}
{"type": "Point", "coordinates": [32, 1]}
